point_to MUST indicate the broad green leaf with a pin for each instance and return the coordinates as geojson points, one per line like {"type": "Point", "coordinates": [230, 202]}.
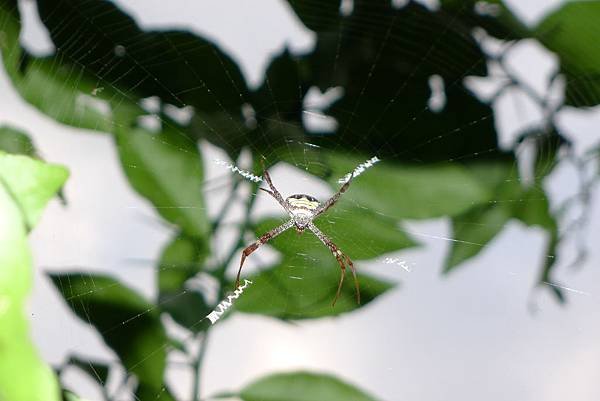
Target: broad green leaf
{"type": "Point", "coordinates": [532, 208]}
{"type": "Point", "coordinates": [63, 91]}
{"type": "Point", "coordinates": [23, 374]}
{"type": "Point", "coordinates": [527, 203]}
{"type": "Point", "coordinates": [31, 183]}
{"type": "Point", "coordinates": [360, 233]}
{"type": "Point", "coordinates": [282, 93]}
{"type": "Point", "coordinates": [128, 323]}
{"type": "Point", "coordinates": [384, 107]}
{"type": "Point", "coordinates": [569, 32]}
{"type": "Point", "coordinates": [304, 283]}
{"type": "Point", "coordinates": [10, 29]}
{"type": "Point", "coordinates": [474, 229]}
{"type": "Point", "coordinates": [175, 65]}
{"type": "Point", "coordinates": [166, 169]}
{"type": "Point", "coordinates": [223, 129]}
{"type": "Point", "coordinates": [409, 191]}
{"type": "Point", "coordinates": [301, 287]}
{"type": "Point", "coordinates": [103, 72]}
{"type": "Point", "coordinates": [69, 95]}
{"type": "Point", "coordinates": [16, 142]}
{"type": "Point", "coordinates": [182, 259]}
{"type": "Point", "coordinates": [302, 386]}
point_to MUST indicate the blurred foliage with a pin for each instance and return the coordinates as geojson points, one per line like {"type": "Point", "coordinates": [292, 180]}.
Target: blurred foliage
{"type": "Point", "coordinates": [23, 177]}
{"type": "Point", "coordinates": [129, 324]}
{"type": "Point", "coordinates": [106, 72]}
{"type": "Point", "coordinates": [569, 32]}
{"type": "Point", "coordinates": [96, 370]}
{"type": "Point", "coordinates": [310, 294]}
{"type": "Point", "coordinates": [166, 168]}
{"type": "Point", "coordinates": [181, 260]}
{"type": "Point", "coordinates": [16, 142]}
{"type": "Point", "coordinates": [301, 386]}
{"type": "Point", "coordinates": [26, 186]}
{"type": "Point", "coordinates": [510, 200]}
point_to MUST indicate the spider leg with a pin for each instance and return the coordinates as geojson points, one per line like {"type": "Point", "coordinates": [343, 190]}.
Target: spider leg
{"type": "Point", "coordinates": [332, 201]}
{"type": "Point", "coordinates": [353, 269]}
{"type": "Point", "coordinates": [262, 240]}
{"type": "Point", "coordinates": [273, 192]}
{"type": "Point", "coordinates": [342, 275]}
{"type": "Point", "coordinates": [342, 259]}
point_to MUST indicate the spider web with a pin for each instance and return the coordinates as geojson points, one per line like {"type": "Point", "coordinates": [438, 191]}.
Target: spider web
{"type": "Point", "coordinates": [294, 290]}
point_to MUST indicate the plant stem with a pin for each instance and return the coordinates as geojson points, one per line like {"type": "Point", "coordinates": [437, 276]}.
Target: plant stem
{"type": "Point", "coordinates": [219, 219]}
{"type": "Point", "coordinates": [197, 366]}
{"type": "Point", "coordinates": [220, 272]}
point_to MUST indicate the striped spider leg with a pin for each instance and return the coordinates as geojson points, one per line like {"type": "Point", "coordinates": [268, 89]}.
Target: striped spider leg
{"type": "Point", "coordinates": [333, 200]}
{"type": "Point", "coordinates": [274, 192]}
{"type": "Point", "coordinates": [303, 209]}
{"type": "Point", "coordinates": [342, 259]}
{"type": "Point", "coordinates": [262, 240]}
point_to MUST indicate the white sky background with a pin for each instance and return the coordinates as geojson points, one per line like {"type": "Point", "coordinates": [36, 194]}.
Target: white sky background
{"type": "Point", "coordinates": [467, 336]}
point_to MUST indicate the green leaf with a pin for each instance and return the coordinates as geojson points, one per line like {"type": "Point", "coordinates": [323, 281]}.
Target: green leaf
{"type": "Point", "coordinates": [31, 183]}
{"type": "Point", "coordinates": [407, 191]}
{"type": "Point", "coordinates": [549, 262]}
{"type": "Point", "coordinates": [320, 16]}
{"type": "Point", "coordinates": [475, 228]}
{"type": "Point", "coordinates": [166, 168]}
{"type": "Point", "coordinates": [182, 259]}
{"type": "Point", "coordinates": [501, 22]}
{"type": "Point", "coordinates": [302, 386]}
{"type": "Point", "coordinates": [75, 87]}
{"type": "Point", "coordinates": [384, 71]}
{"type": "Point", "coordinates": [283, 90]}
{"type": "Point", "coordinates": [16, 142]}
{"type": "Point", "coordinates": [128, 323]}
{"type": "Point", "coordinates": [533, 209]}
{"type": "Point", "coordinates": [64, 91]}
{"type": "Point", "coordinates": [70, 396]}
{"type": "Point", "coordinates": [177, 66]}
{"type": "Point", "coordinates": [303, 284]}
{"type": "Point", "coordinates": [69, 95]}
{"type": "Point", "coordinates": [295, 290]}
{"type": "Point", "coordinates": [360, 233]}
{"type": "Point", "coordinates": [23, 374]}
{"type": "Point", "coordinates": [225, 130]}
{"type": "Point", "coordinates": [569, 32]}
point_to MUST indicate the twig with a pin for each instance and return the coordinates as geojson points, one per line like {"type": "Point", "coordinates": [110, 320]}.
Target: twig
{"type": "Point", "coordinates": [197, 366]}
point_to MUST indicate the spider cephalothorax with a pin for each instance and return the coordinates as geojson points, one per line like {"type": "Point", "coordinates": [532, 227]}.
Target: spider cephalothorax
{"type": "Point", "coordinates": [303, 209]}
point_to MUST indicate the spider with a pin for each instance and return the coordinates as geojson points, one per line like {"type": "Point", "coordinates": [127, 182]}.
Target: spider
{"type": "Point", "coordinates": [303, 209]}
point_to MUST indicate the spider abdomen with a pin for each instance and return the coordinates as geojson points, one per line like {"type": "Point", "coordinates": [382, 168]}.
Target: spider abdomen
{"type": "Point", "coordinates": [302, 201]}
